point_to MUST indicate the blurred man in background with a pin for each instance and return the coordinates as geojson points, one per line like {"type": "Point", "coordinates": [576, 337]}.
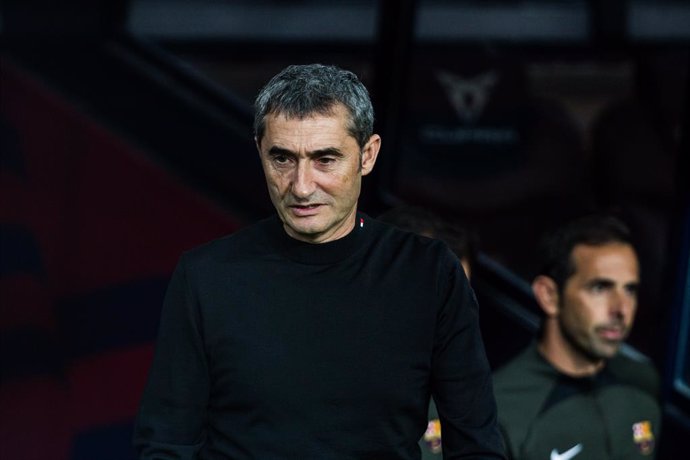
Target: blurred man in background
{"type": "Point", "coordinates": [572, 394]}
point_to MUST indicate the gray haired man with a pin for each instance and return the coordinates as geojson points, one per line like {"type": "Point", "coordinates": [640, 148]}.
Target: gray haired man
{"type": "Point", "coordinates": [318, 333]}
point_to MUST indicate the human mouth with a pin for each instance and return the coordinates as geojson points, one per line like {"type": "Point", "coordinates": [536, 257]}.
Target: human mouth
{"type": "Point", "coordinates": [612, 333]}
{"type": "Point", "coordinates": [304, 210]}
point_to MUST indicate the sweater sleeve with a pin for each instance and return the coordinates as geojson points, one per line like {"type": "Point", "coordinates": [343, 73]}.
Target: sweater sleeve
{"type": "Point", "coordinates": [172, 415]}
{"type": "Point", "coordinates": [461, 377]}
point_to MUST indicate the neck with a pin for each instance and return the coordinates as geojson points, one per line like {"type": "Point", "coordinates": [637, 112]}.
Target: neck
{"type": "Point", "coordinates": [566, 358]}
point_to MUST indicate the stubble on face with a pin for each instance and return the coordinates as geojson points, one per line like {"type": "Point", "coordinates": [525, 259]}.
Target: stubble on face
{"type": "Point", "coordinates": [598, 304]}
{"type": "Point", "coordinates": [313, 170]}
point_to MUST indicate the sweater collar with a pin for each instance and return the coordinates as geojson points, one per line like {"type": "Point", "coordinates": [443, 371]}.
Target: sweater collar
{"type": "Point", "coordinates": [320, 253]}
{"type": "Point", "coordinates": [603, 375]}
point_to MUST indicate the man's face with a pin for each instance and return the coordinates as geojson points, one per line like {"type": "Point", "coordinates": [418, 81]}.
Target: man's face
{"type": "Point", "coordinates": [313, 170]}
{"type": "Point", "coordinates": [598, 302]}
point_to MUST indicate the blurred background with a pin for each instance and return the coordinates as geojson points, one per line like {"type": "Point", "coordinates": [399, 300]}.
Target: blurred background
{"type": "Point", "coordinates": [125, 139]}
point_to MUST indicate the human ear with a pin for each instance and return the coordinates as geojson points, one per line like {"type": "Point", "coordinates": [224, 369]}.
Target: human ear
{"type": "Point", "coordinates": [546, 293]}
{"type": "Point", "coordinates": [369, 154]}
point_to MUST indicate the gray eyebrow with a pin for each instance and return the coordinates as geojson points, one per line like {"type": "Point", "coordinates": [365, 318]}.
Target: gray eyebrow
{"type": "Point", "coordinates": [275, 150]}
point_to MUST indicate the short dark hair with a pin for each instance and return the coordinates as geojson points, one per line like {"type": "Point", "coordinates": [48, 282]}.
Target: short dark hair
{"type": "Point", "coordinates": [302, 90]}
{"type": "Point", "coordinates": [462, 240]}
{"type": "Point", "coordinates": [424, 221]}
{"type": "Point", "coordinates": [415, 219]}
{"type": "Point", "coordinates": [594, 230]}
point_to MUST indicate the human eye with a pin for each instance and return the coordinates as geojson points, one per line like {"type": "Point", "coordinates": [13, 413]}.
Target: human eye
{"type": "Point", "coordinates": [281, 160]}
{"type": "Point", "coordinates": [599, 286]}
{"type": "Point", "coordinates": [631, 290]}
{"type": "Point", "coordinates": [326, 160]}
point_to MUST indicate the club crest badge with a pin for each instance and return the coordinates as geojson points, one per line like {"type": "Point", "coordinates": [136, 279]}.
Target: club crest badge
{"type": "Point", "coordinates": [643, 437]}
{"type": "Point", "coordinates": [432, 436]}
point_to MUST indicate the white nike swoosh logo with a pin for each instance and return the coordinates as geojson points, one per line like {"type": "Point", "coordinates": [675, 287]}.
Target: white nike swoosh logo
{"type": "Point", "coordinates": [568, 454]}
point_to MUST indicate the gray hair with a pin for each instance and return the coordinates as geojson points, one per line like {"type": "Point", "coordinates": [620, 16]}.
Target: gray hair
{"type": "Point", "coordinates": [299, 91]}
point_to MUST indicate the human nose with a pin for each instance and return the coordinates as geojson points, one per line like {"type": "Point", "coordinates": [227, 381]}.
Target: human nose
{"type": "Point", "coordinates": [622, 304]}
{"type": "Point", "coordinates": [303, 181]}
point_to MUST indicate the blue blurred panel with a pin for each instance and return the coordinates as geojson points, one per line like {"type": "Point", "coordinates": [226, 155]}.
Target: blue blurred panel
{"type": "Point", "coordinates": [118, 316]}
{"type": "Point", "coordinates": [112, 442]}
{"type": "Point", "coordinates": [19, 252]}
{"type": "Point", "coordinates": [11, 157]}
{"type": "Point", "coordinates": [29, 352]}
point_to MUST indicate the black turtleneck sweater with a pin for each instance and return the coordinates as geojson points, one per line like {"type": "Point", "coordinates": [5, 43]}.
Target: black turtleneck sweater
{"type": "Point", "coordinates": [272, 348]}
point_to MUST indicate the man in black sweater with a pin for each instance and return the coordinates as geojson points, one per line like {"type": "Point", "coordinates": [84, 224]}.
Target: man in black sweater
{"type": "Point", "coordinates": [318, 333]}
{"type": "Point", "coordinates": [572, 394]}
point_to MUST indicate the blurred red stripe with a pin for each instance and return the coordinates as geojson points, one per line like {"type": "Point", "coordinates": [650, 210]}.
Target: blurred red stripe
{"type": "Point", "coordinates": [106, 388]}
{"type": "Point", "coordinates": [25, 302]}
{"type": "Point", "coordinates": [35, 419]}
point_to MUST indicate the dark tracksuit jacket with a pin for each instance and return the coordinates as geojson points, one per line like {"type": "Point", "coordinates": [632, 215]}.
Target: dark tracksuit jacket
{"type": "Point", "coordinates": [545, 415]}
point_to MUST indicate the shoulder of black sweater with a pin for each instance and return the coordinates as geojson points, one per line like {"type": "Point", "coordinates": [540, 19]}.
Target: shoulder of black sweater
{"type": "Point", "coordinates": [244, 239]}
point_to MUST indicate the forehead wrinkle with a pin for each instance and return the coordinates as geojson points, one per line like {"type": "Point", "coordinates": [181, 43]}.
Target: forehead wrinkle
{"type": "Point", "coordinates": [310, 136]}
